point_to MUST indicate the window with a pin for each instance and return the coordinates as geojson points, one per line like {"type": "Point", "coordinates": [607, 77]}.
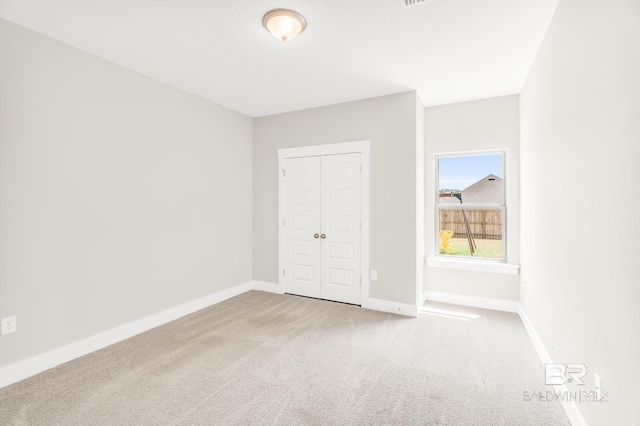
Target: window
{"type": "Point", "coordinates": [470, 205]}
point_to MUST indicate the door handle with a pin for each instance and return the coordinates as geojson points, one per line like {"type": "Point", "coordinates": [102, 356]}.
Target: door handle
{"type": "Point", "coordinates": [316, 235]}
{"type": "Point", "coordinates": [323, 236]}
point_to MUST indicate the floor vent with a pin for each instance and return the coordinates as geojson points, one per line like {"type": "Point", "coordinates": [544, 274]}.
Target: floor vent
{"type": "Point", "coordinates": [411, 3]}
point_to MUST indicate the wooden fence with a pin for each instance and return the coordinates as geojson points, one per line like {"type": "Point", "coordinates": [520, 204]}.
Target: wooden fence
{"type": "Point", "coordinates": [484, 224]}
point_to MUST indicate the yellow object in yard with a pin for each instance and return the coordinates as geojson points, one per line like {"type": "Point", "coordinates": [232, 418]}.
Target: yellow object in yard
{"type": "Point", "coordinates": [444, 241]}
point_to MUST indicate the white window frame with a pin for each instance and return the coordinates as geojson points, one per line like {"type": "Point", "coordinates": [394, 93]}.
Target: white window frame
{"type": "Point", "coordinates": [441, 260]}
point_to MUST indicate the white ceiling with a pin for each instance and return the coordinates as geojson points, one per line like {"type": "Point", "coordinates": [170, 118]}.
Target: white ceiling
{"type": "Point", "coordinates": [447, 50]}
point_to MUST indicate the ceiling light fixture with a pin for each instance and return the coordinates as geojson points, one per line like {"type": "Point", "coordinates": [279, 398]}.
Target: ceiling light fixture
{"type": "Point", "coordinates": [284, 24]}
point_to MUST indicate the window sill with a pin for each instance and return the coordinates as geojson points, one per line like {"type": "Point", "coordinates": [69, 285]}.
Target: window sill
{"type": "Point", "coordinates": [470, 265]}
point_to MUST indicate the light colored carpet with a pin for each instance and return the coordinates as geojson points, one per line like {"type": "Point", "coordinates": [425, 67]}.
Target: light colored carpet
{"type": "Point", "coordinates": [262, 358]}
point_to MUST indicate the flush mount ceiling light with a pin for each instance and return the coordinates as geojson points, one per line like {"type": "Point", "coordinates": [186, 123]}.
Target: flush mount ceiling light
{"type": "Point", "coordinates": [284, 24]}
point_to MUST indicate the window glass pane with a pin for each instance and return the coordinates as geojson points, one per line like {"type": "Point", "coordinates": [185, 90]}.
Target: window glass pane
{"type": "Point", "coordinates": [473, 179]}
{"type": "Point", "coordinates": [476, 232]}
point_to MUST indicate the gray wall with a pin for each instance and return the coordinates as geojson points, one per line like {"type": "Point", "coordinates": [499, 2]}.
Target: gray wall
{"type": "Point", "coordinates": [471, 126]}
{"type": "Point", "coordinates": [580, 150]}
{"type": "Point", "coordinates": [119, 196]}
{"type": "Point", "coordinates": [389, 123]}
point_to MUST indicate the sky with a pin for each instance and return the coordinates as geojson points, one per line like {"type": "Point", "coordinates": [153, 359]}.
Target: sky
{"type": "Point", "coordinates": [461, 172]}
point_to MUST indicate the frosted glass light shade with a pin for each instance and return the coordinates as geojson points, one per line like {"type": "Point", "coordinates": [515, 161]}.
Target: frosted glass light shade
{"type": "Point", "coordinates": [284, 24]}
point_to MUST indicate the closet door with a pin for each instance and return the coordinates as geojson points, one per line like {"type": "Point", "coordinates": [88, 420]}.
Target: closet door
{"type": "Point", "coordinates": [341, 214]}
{"type": "Point", "coordinates": [302, 226]}
{"type": "Point", "coordinates": [322, 227]}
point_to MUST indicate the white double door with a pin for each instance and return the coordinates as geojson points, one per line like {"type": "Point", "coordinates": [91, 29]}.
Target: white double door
{"type": "Point", "coordinates": [322, 227]}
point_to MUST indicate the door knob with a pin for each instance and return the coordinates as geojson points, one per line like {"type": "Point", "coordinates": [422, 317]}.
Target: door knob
{"type": "Point", "coordinates": [316, 235]}
{"type": "Point", "coordinates": [323, 236]}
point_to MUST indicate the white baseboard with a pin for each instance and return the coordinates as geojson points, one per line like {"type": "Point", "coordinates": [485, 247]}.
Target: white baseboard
{"type": "Point", "coordinates": [267, 286]}
{"type": "Point", "coordinates": [391, 307]}
{"type": "Point", "coordinates": [41, 362]}
{"type": "Point", "coordinates": [533, 335]}
{"type": "Point", "coordinates": [570, 407]}
{"type": "Point", "coordinates": [476, 302]}
{"type": "Point", "coordinates": [369, 303]}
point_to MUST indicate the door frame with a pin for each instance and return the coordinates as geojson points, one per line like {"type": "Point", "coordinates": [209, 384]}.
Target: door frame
{"type": "Point", "coordinates": [361, 147]}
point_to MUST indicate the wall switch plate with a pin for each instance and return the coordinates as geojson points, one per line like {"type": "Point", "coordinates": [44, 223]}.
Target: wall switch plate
{"type": "Point", "coordinates": [374, 274]}
{"type": "Point", "coordinates": [8, 325]}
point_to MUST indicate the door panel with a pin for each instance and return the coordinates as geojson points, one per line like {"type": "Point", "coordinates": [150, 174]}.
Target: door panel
{"type": "Point", "coordinates": [340, 250]}
{"type": "Point", "coordinates": [340, 277]}
{"type": "Point", "coordinates": [302, 221]}
{"type": "Point", "coordinates": [341, 222]}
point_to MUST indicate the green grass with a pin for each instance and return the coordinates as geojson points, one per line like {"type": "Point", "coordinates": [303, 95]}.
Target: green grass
{"type": "Point", "coordinates": [489, 249]}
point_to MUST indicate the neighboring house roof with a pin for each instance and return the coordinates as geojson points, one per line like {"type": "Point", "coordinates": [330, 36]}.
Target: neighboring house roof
{"type": "Point", "coordinates": [487, 190]}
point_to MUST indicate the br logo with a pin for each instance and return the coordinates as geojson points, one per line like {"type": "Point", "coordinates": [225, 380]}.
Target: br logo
{"type": "Point", "coordinates": [559, 374]}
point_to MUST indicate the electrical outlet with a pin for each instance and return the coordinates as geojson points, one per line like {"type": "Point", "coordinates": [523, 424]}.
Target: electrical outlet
{"type": "Point", "coordinates": [374, 274]}
{"type": "Point", "coordinates": [8, 325]}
